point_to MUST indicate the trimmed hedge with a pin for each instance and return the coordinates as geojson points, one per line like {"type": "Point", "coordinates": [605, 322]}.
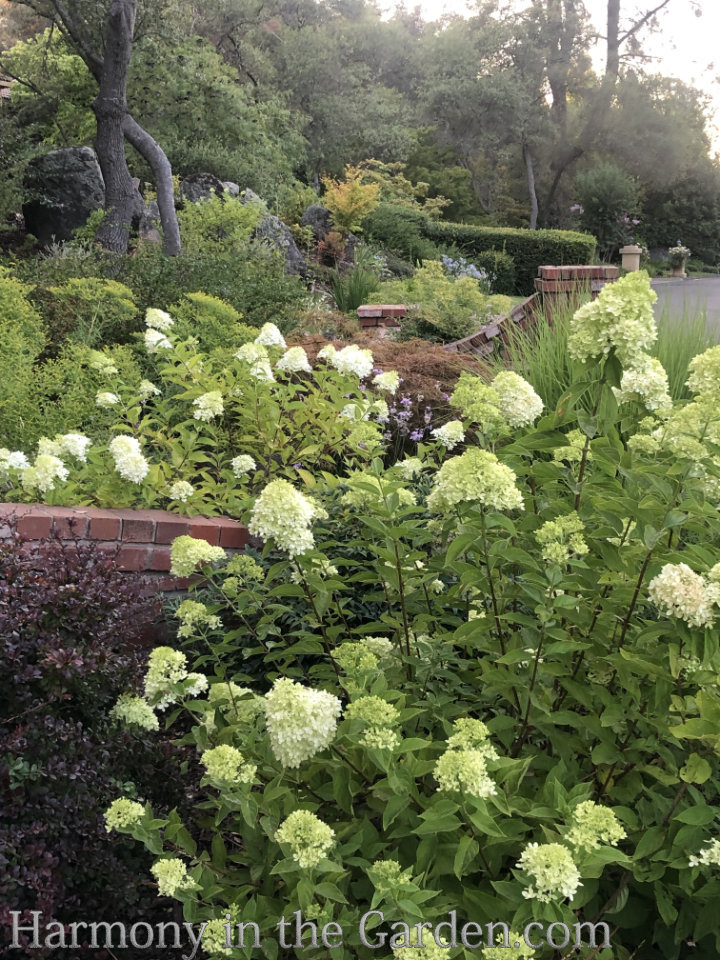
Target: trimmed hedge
{"type": "Point", "coordinates": [501, 266]}
{"type": "Point", "coordinates": [415, 236]}
{"type": "Point", "coordinates": [529, 249]}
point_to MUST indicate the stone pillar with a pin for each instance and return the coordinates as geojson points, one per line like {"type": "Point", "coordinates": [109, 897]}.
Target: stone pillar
{"type": "Point", "coordinates": [631, 257]}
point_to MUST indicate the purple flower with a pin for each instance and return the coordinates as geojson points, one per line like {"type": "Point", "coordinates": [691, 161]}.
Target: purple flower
{"type": "Point", "coordinates": [445, 396]}
{"type": "Point", "coordinates": [377, 369]}
{"type": "Point", "coordinates": [417, 435]}
{"type": "Point", "coordinates": [406, 401]}
{"type": "Point", "coordinates": [298, 465]}
{"type": "Point", "coordinates": [635, 222]}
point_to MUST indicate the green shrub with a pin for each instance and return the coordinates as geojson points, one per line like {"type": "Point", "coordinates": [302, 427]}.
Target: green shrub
{"type": "Point", "coordinates": [501, 268]}
{"type": "Point", "coordinates": [415, 237]}
{"type": "Point", "coordinates": [442, 308]}
{"type": "Point", "coordinates": [353, 290]}
{"type": "Point", "coordinates": [217, 224]}
{"type": "Point", "coordinates": [253, 281]}
{"type": "Point", "coordinates": [484, 684]}
{"type": "Point", "coordinates": [529, 249]}
{"type": "Point", "coordinates": [401, 230]}
{"type": "Point", "coordinates": [88, 310]}
{"type": "Point", "coordinates": [216, 324]}
{"type": "Point", "coordinates": [680, 338]}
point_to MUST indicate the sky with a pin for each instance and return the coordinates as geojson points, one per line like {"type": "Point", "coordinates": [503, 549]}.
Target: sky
{"type": "Point", "coordinates": [686, 46]}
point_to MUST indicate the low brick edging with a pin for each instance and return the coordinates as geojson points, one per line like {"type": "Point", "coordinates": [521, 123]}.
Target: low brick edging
{"type": "Point", "coordinates": [140, 539]}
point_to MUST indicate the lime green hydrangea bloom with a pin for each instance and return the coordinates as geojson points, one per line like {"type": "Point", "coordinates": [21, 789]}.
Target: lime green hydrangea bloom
{"type": "Point", "coordinates": [193, 615]}
{"type": "Point", "coordinates": [308, 838]}
{"type": "Point", "coordinates": [227, 765]}
{"type": "Point", "coordinates": [552, 870]}
{"type": "Point", "coordinates": [464, 771]}
{"type": "Point", "coordinates": [562, 538]}
{"type": "Point", "coordinates": [476, 476]}
{"type": "Point", "coordinates": [171, 876]}
{"type": "Point", "coordinates": [187, 553]}
{"type": "Point", "coordinates": [135, 711]}
{"type": "Point", "coordinates": [592, 824]}
{"type": "Point", "coordinates": [123, 814]}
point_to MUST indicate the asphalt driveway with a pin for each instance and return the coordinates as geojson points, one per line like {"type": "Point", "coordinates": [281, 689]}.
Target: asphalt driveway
{"type": "Point", "coordinates": [687, 296]}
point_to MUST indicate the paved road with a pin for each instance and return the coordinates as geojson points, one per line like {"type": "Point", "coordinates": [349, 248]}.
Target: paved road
{"type": "Point", "coordinates": [687, 296]}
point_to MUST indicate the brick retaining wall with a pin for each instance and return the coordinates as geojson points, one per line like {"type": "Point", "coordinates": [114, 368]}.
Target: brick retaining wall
{"type": "Point", "coordinates": [139, 539]}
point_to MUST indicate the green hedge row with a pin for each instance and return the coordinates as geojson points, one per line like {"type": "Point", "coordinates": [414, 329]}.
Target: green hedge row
{"type": "Point", "coordinates": [415, 236]}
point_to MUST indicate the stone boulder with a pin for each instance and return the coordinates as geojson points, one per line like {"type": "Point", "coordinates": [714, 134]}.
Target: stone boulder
{"type": "Point", "coordinates": [62, 189]}
{"type": "Point", "coordinates": [232, 188]}
{"type": "Point", "coordinates": [249, 196]}
{"type": "Point", "coordinates": [201, 186]}
{"type": "Point", "coordinates": [319, 219]}
{"type": "Point", "coordinates": [275, 233]}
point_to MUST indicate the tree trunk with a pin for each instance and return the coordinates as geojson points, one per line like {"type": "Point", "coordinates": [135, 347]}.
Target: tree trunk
{"type": "Point", "coordinates": [527, 156]}
{"type": "Point", "coordinates": [110, 106]}
{"type": "Point", "coordinates": [612, 60]}
{"type": "Point", "coordinates": [162, 171]}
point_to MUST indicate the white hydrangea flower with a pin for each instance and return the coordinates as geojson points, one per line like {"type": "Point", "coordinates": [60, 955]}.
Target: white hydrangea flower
{"type": "Point", "coordinates": [352, 360]}
{"type": "Point", "coordinates": [464, 771]}
{"type": "Point", "coordinates": [285, 515]}
{"type": "Point", "coordinates": [158, 319]}
{"type": "Point", "coordinates": [147, 390]}
{"type": "Point", "coordinates": [679, 592]}
{"type": "Point", "coordinates": [475, 476]}
{"type": "Point", "coordinates": [327, 352]}
{"type": "Point", "coordinates": [256, 356]}
{"type": "Point", "coordinates": [704, 376]}
{"type": "Point", "coordinates": [181, 490]}
{"type": "Point", "coordinates": [242, 465]}
{"type": "Point", "coordinates": [155, 341]}
{"type": "Point", "coordinates": [410, 467]}
{"type": "Point", "coordinates": [519, 404]}
{"type": "Point", "coordinates": [592, 824]}
{"type": "Point", "coordinates": [43, 473]}
{"type": "Point", "coordinates": [129, 461]}
{"type": "Point", "coordinates": [270, 336]}
{"type": "Point", "coordinates": [294, 361]}
{"type": "Point", "coordinates": [450, 434]}
{"type": "Point", "coordinates": [13, 460]}
{"type": "Point", "coordinates": [74, 445]}
{"type": "Point", "coordinates": [389, 381]}
{"type": "Point", "coordinates": [553, 871]}
{"type": "Point", "coordinates": [708, 857]}
{"type": "Point", "coordinates": [208, 406]}
{"type": "Point", "coordinates": [300, 721]}
{"type": "Point", "coordinates": [646, 382]}
{"type": "Point", "coordinates": [106, 399]}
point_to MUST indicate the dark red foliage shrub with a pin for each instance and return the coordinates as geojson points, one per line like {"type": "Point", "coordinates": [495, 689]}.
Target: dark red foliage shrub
{"type": "Point", "coordinates": [70, 627]}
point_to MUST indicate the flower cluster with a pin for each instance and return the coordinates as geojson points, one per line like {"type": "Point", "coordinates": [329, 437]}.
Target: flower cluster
{"type": "Point", "coordinates": [678, 592]}
{"type": "Point", "coordinates": [466, 771]}
{"type": "Point", "coordinates": [242, 464]}
{"type": "Point", "coordinates": [65, 445]}
{"type": "Point", "coordinates": [135, 711]}
{"type": "Point", "coordinates": [646, 382]}
{"type": "Point", "coordinates": [192, 615]}
{"type": "Point", "coordinates": [129, 461]}
{"type": "Point", "coordinates": [562, 539]}
{"type": "Point", "coordinates": [450, 434]}
{"type": "Point", "coordinates": [472, 734]}
{"type": "Point", "coordinates": [512, 948]}
{"type": "Point", "coordinates": [105, 399]}
{"type": "Point", "coordinates": [381, 647]}
{"type": "Point", "coordinates": [158, 320]}
{"type": "Point", "coordinates": [592, 824]}
{"type": "Point", "coordinates": [387, 874]}
{"type": "Point", "coordinates": [519, 405]}
{"type": "Point", "coordinates": [462, 268]}
{"type": "Point", "coordinates": [270, 336]}
{"type": "Point", "coordinates": [12, 460]}
{"type": "Point", "coordinates": [147, 390]}
{"type": "Point", "coordinates": [256, 356]}
{"type": "Point", "coordinates": [123, 814]}
{"type": "Point", "coordinates": [621, 317]}
{"type": "Point", "coordinates": [553, 871]}
{"type": "Point", "coordinates": [227, 765]}
{"type": "Point", "coordinates": [285, 515]}
{"type": "Point", "coordinates": [187, 552]}
{"type": "Point", "coordinates": [350, 360]}
{"type": "Point", "coordinates": [301, 722]}
{"type": "Point", "coordinates": [704, 376]}
{"type": "Point", "coordinates": [573, 452]}
{"type": "Point", "coordinates": [171, 876]}
{"type": "Point", "coordinates": [208, 406]}
{"type": "Point", "coordinates": [294, 361]}
{"type": "Point", "coordinates": [476, 476]}
{"type": "Point", "coordinates": [155, 341]}
{"type": "Point", "coordinates": [430, 949]}
{"type": "Point", "coordinates": [235, 701]}
{"type": "Point", "coordinates": [181, 490]}
{"type": "Point", "coordinates": [379, 718]}
{"type": "Point", "coordinates": [389, 381]}
{"type": "Point", "coordinates": [708, 857]}
{"type": "Point", "coordinates": [308, 837]}
{"type": "Point", "coordinates": [166, 667]}
{"type": "Point", "coordinates": [355, 659]}
{"type": "Point", "coordinates": [410, 468]}
{"type": "Point", "coordinates": [43, 473]}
